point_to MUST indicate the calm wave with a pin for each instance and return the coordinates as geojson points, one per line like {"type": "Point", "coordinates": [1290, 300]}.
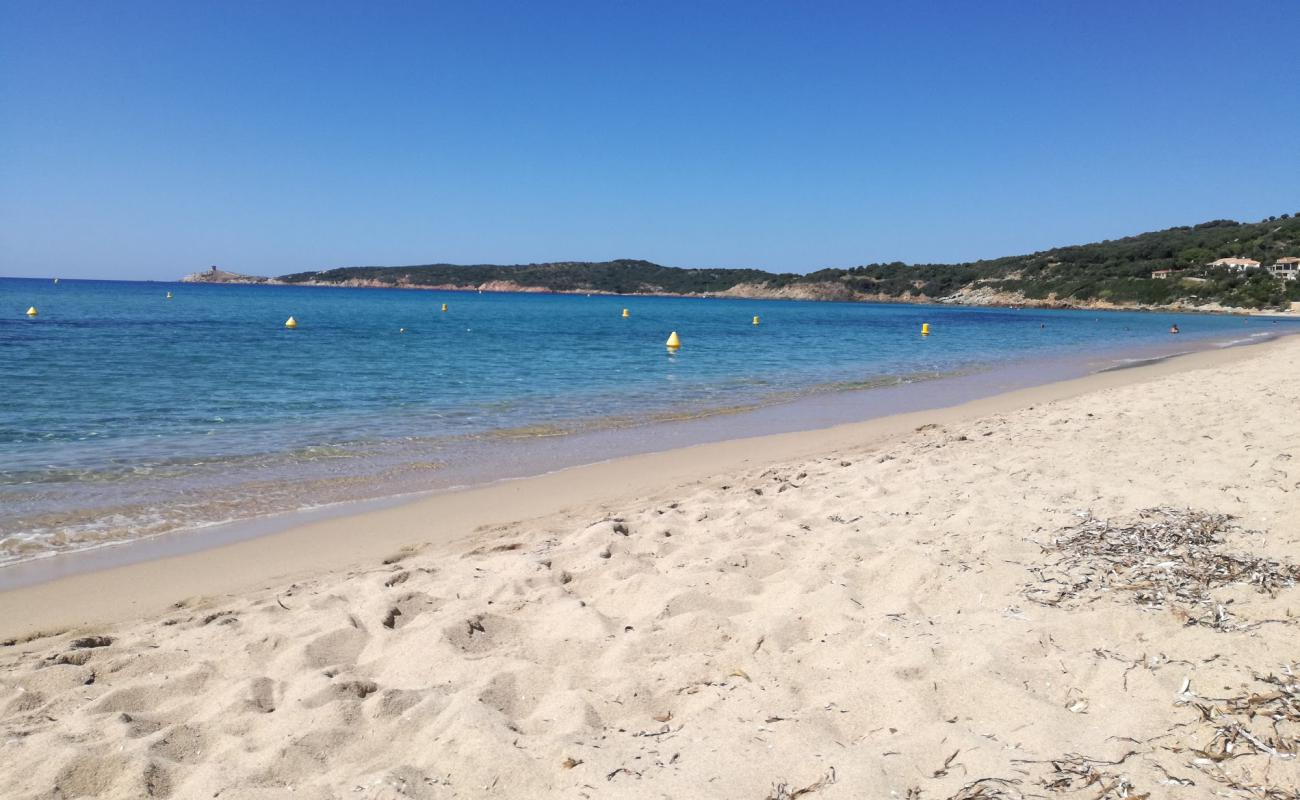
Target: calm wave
{"type": "Point", "coordinates": [126, 414]}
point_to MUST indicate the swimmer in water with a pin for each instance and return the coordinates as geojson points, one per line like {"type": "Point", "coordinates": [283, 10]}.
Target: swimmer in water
{"type": "Point", "coordinates": [1173, 329]}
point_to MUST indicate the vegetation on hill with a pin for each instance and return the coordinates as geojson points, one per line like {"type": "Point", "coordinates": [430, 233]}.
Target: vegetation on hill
{"type": "Point", "coordinates": [1116, 271]}
{"type": "Point", "coordinates": [623, 276]}
{"type": "Point", "coordinates": [1111, 272]}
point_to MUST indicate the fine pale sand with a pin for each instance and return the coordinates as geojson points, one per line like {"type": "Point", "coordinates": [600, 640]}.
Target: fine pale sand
{"type": "Point", "coordinates": [892, 609]}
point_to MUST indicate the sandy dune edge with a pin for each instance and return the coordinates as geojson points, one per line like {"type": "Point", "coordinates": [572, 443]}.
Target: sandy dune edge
{"type": "Point", "coordinates": [862, 624]}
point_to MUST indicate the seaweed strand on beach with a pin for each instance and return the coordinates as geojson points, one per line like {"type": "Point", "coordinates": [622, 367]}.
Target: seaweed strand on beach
{"type": "Point", "coordinates": [1163, 558]}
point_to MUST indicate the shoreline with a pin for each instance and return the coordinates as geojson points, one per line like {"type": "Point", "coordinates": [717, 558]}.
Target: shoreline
{"type": "Point", "coordinates": [476, 460]}
{"type": "Point", "coordinates": [339, 538]}
{"type": "Point", "coordinates": [950, 301]}
{"type": "Point", "coordinates": [773, 295]}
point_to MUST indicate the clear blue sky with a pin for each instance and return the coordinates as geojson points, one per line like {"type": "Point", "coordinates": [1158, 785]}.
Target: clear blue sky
{"type": "Point", "coordinates": [146, 140]}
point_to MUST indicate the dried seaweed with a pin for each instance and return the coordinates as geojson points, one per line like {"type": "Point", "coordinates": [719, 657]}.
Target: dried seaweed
{"type": "Point", "coordinates": [1245, 786]}
{"type": "Point", "coordinates": [783, 791]}
{"type": "Point", "coordinates": [1073, 772]}
{"type": "Point", "coordinates": [989, 789]}
{"type": "Point", "coordinates": [1164, 558]}
{"type": "Point", "coordinates": [1262, 722]}
{"type": "Point", "coordinates": [947, 764]}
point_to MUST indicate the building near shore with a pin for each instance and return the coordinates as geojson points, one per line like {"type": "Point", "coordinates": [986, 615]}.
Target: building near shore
{"type": "Point", "coordinates": [1235, 264]}
{"type": "Point", "coordinates": [1164, 274]}
{"type": "Point", "coordinates": [1288, 269]}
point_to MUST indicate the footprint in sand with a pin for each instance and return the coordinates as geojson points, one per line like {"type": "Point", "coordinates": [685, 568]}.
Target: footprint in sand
{"type": "Point", "coordinates": [139, 727]}
{"type": "Point", "coordinates": [129, 699]}
{"type": "Point", "coordinates": [87, 642]}
{"type": "Point", "coordinates": [395, 702]}
{"type": "Point", "coordinates": [24, 703]}
{"type": "Point", "coordinates": [403, 554]}
{"type": "Point", "coordinates": [505, 692]}
{"type": "Point", "coordinates": [696, 602]}
{"type": "Point", "coordinates": [481, 633]}
{"type": "Point", "coordinates": [181, 743]}
{"type": "Point", "coordinates": [90, 774]}
{"type": "Point", "coordinates": [261, 695]}
{"type": "Point", "coordinates": [76, 658]}
{"type": "Point", "coordinates": [407, 608]}
{"type": "Point", "coordinates": [339, 648]}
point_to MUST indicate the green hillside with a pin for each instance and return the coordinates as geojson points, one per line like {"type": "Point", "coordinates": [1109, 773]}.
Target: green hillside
{"type": "Point", "coordinates": [624, 276]}
{"type": "Point", "coordinates": [1115, 271]}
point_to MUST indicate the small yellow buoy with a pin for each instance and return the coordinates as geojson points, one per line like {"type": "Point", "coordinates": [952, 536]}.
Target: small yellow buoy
{"type": "Point", "coordinates": [755, 319]}
{"type": "Point", "coordinates": [674, 341]}
{"type": "Point", "coordinates": [925, 329]}
{"type": "Point", "coordinates": [31, 312]}
{"type": "Point", "coordinates": [625, 314]}
{"type": "Point", "coordinates": [444, 306]}
{"type": "Point", "coordinates": [291, 323]}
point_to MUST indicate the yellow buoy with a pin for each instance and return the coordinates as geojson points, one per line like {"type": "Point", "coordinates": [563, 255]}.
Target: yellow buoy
{"type": "Point", "coordinates": [444, 306]}
{"type": "Point", "coordinates": [31, 312]}
{"type": "Point", "coordinates": [755, 319]}
{"type": "Point", "coordinates": [925, 329]}
{"type": "Point", "coordinates": [291, 323]}
{"type": "Point", "coordinates": [674, 341]}
{"type": "Point", "coordinates": [625, 314]}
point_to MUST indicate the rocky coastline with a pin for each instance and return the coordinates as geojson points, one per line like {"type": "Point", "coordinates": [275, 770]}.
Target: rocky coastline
{"type": "Point", "coordinates": [976, 296]}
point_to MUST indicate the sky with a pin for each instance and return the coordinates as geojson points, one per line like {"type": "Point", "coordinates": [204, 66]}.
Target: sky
{"type": "Point", "coordinates": [143, 140]}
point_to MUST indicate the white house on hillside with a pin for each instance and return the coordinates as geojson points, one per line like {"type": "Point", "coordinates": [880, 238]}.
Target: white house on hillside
{"type": "Point", "coordinates": [1235, 264]}
{"type": "Point", "coordinates": [1286, 268]}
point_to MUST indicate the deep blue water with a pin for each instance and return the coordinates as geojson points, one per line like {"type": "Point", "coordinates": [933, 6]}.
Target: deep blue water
{"type": "Point", "coordinates": [124, 413]}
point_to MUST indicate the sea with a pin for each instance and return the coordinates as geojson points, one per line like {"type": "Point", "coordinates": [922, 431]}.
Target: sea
{"type": "Point", "coordinates": [138, 409]}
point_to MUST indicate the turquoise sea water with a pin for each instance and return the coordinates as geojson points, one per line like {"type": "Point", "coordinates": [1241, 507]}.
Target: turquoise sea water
{"type": "Point", "coordinates": [125, 414]}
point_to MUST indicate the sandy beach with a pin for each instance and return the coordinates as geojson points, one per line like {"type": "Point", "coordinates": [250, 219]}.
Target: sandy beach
{"type": "Point", "coordinates": [1080, 590]}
